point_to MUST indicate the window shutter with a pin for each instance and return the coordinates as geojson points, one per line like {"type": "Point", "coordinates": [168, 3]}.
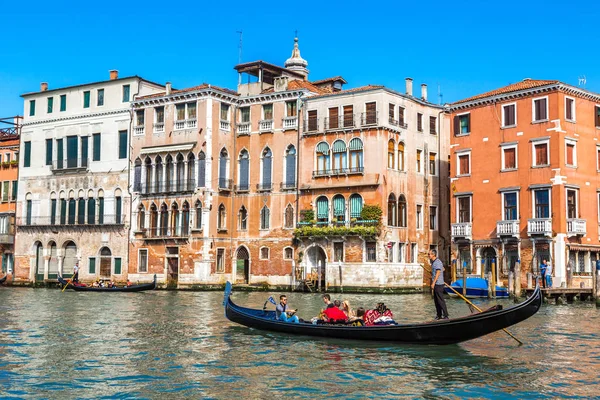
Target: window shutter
{"type": "Point", "coordinates": [201, 170]}
{"type": "Point", "coordinates": [456, 126]}
{"type": "Point", "coordinates": [267, 167]}
{"type": "Point", "coordinates": [137, 178]}
{"type": "Point", "coordinates": [96, 144]}
{"type": "Point", "coordinates": [91, 212]}
{"type": "Point", "coordinates": [84, 151]}
{"type": "Point", "coordinates": [48, 151]}
{"type": "Point", "coordinates": [244, 172]}
{"type": "Point", "coordinates": [333, 118]}
{"type": "Point", "coordinates": [290, 168]}
{"type": "Point", "coordinates": [27, 157]}
{"type": "Point", "coordinates": [92, 265]}
{"type": "Point", "coordinates": [117, 265]}
{"type": "Point", "coordinates": [570, 149]}
{"type": "Point", "coordinates": [123, 144]}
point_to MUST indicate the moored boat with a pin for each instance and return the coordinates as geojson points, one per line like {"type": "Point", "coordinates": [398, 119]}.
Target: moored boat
{"type": "Point", "coordinates": [476, 287]}
{"type": "Point", "coordinates": [2, 280]}
{"type": "Point", "coordinates": [435, 332]}
{"type": "Point", "coordinates": [133, 288]}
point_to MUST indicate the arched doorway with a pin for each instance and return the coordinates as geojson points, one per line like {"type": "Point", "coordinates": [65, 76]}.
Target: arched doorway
{"type": "Point", "coordinates": [39, 262]}
{"type": "Point", "coordinates": [316, 262]}
{"type": "Point", "coordinates": [242, 270]}
{"type": "Point", "coordinates": [53, 263]}
{"type": "Point", "coordinates": [488, 259]}
{"type": "Point", "coordinates": [70, 259]}
{"type": "Point", "coordinates": [105, 262]}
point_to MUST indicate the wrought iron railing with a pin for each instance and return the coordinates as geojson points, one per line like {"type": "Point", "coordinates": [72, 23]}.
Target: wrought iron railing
{"type": "Point", "coordinates": [176, 186]}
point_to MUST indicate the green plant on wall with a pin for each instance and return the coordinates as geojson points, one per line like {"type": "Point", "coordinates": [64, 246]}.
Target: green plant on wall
{"type": "Point", "coordinates": [371, 213]}
{"type": "Point", "coordinates": [307, 215]}
{"type": "Point", "coordinates": [327, 231]}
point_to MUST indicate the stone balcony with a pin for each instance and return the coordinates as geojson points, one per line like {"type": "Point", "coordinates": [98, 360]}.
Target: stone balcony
{"type": "Point", "coordinates": [576, 227]}
{"type": "Point", "coordinates": [265, 126]}
{"type": "Point", "coordinates": [290, 123]}
{"type": "Point", "coordinates": [243, 128]}
{"type": "Point", "coordinates": [463, 230]}
{"type": "Point", "coordinates": [539, 227]}
{"type": "Point", "coordinates": [507, 228]}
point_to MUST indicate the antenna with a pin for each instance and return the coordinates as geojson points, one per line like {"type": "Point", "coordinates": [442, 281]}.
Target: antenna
{"type": "Point", "coordinates": [240, 47]}
{"type": "Point", "coordinates": [582, 81]}
{"type": "Point", "coordinates": [440, 95]}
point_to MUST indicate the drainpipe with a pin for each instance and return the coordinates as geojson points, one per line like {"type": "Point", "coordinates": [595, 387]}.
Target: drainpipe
{"type": "Point", "coordinates": [439, 123]}
{"type": "Point", "coordinates": [231, 250]}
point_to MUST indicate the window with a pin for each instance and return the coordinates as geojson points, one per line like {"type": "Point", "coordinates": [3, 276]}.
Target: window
{"type": "Point", "coordinates": [392, 211]}
{"type": "Point", "coordinates": [264, 253]}
{"type": "Point", "coordinates": [97, 146]}
{"type": "Point", "coordinates": [509, 157]}
{"type": "Point", "coordinates": [419, 216]}
{"type": "Point", "coordinates": [86, 99]}
{"type": "Point", "coordinates": [159, 115]}
{"type": "Point", "coordinates": [126, 93]}
{"type": "Point", "coordinates": [267, 167]}
{"type": "Point", "coordinates": [401, 117]}
{"type": "Point", "coordinates": [101, 210]}
{"type": "Point", "coordinates": [71, 214]}
{"type": "Point", "coordinates": [322, 210]}
{"type": "Point", "coordinates": [31, 108]}
{"type": "Point", "coordinates": [50, 105]}
{"type": "Point", "coordinates": [63, 211]}
{"type": "Point", "coordinates": [243, 219]}
{"type": "Point", "coordinates": [356, 205]}
{"type": "Point", "coordinates": [571, 153]}
{"type": "Point", "coordinates": [81, 211]}
{"type": "Point", "coordinates": [432, 127]}
{"type": "Point", "coordinates": [463, 164]}
{"type": "Point", "coordinates": [570, 109]}
{"type": "Point", "coordinates": [48, 151]}
{"type": "Point", "coordinates": [597, 116]}
{"type": "Point", "coordinates": [123, 150]}
{"type": "Point", "coordinates": [288, 253]}
{"type": "Point", "coordinates": [243, 162]}
{"type": "Point", "coordinates": [92, 265]}
{"type": "Point", "coordinates": [390, 251]}
{"type": "Point", "coordinates": [356, 155]}
{"type": "Point", "coordinates": [27, 156]}
{"type": "Point", "coordinates": [264, 217]}
{"type": "Point", "coordinates": [221, 218]}
{"type": "Point", "coordinates": [510, 206]}
{"type": "Point", "coordinates": [5, 191]}
{"type": "Point", "coordinates": [244, 114]}
{"type": "Point", "coordinates": [420, 122]}
{"type": "Point", "coordinates": [464, 209]}
{"type": "Point", "coordinates": [419, 160]}
{"type": "Point", "coordinates": [28, 211]}
{"type": "Point", "coordinates": [509, 115]}
{"type": "Point", "coordinates": [371, 113]}
{"type": "Point", "coordinates": [313, 121]}
{"type": "Point", "coordinates": [462, 124]}
{"type": "Point", "coordinates": [402, 211]}
{"type": "Point", "coordinates": [371, 248]}
{"type": "Point", "coordinates": [391, 153]}
{"type": "Point", "coordinates": [290, 167]}
{"type": "Point", "coordinates": [52, 211]}
{"type": "Point", "coordinates": [334, 118]}
{"type": "Point", "coordinates": [100, 100]}
{"type": "Point", "coordinates": [391, 113]}
{"type": "Point", "coordinates": [322, 157]}
{"type": "Point", "coordinates": [289, 217]}
{"type": "Point", "coordinates": [433, 218]}
{"type": "Point", "coordinates": [143, 260]}
{"type": "Point", "coordinates": [118, 210]}
{"type": "Point", "coordinates": [598, 158]}
{"type": "Point", "coordinates": [432, 163]}
{"type": "Point", "coordinates": [63, 102]}
{"type": "Point", "coordinates": [15, 185]}
{"type": "Point", "coordinates": [540, 109]}
{"type": "Point", "coordinates": [401, 156]}
{"type": "Point", "coordinates": [139, 118]}
{"type": "Point", "coordinates": [339, 208]}
{"type": "Point", "coordinates": [338, 251]}
{"type": "Point", "coordinates": [220, 260]}
{"type": "Point", "coordinates": [541, 203]}
{"type": "Point", "coordinates": [540, 153]}
{"type": "Point", "coordinates": [291, 109]}
{"type": "Point", "coordinates": [414, 252]}
{"type": "Point", "coordinates": [348, 116]}
{"type": "Point", "coordinates": [267, 110]}
{"type": "Point", "coordinates": [201, 169]}
{"type": "Point", "coordinates": [571, 204]}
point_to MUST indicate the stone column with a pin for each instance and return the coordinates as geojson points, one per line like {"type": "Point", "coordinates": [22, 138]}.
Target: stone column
{"type": "Point", "coordinates": [46, 266]}
{"type": "Point", "coordinates": [153, 181]}
{"type": "Point", "coordinates": [185, 176]}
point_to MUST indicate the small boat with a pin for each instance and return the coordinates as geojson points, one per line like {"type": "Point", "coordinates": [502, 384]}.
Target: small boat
{"type": "Point", "coordinates": [476, 287]}
{"type": "Point", "coordinates": [449, 331]}
{"type": "Point", "coordinates": [134, 288]}
{"type": "Point", "coordinates": [2, 280]}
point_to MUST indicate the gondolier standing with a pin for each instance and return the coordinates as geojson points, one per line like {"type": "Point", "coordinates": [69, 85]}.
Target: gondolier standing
{"type": "Point", "coordinates": [437, 284]}
{"type": "Point", "coordinates": [76, 272]}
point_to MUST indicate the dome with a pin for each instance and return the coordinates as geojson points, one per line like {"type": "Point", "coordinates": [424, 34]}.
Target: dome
{"type": "Point", "coordinates": [296, 62]}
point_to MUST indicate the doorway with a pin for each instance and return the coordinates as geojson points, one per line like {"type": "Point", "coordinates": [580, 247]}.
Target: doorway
{"type": "Point", "coordinates": [316, 262]}
{"type": "Point", "coordinates": [39, 262]}
{"type": "Point", "coordinates": [488, 259]}
{"type": "Point", "coordinates": [242, 270]}
{"type": "Point", "coordinates": [105, 262]}
{"type": "Point", "coordinates": [172, 255]}
{"type": "Point", "coordinates": [70, 259]}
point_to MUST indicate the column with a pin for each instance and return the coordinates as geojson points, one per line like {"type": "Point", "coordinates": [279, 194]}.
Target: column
{"type": "Point", "coordinates": [186, 184]}
{"type": "Point", "coordinates": [142, 178]}
{"type": "Point", "coordinates": [153, 181]}
{"type": "Point", "coordinates": [46, 266]}
{"type": "Point", "coordinates": [164, 174]}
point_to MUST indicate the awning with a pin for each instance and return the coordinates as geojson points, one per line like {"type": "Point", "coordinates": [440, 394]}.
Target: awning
{"type": "Point", "coordinates": [167, 149]}
{"type": "Point", "coordinates": [339, 146]}
{"type": "Point", "coordinates": [356, 206]}
{"type": "Point", "coordinates": [323, 148]}
{"type": "Point", "coordinates": [322, 207]}
{"type": "Point", "coordinates": [339, 206]}
{"type": "Point", "coordinates": [355, 144]}
{"type": "Point", "coordinates": [579, 247]}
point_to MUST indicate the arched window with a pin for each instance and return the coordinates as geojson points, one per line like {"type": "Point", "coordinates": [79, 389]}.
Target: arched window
{"type": "Point", "coordinates": [53, 263]}
{"type": "Point", "coordinates": [28, 209]}
{"type": "Point", "coordinates": [147, 188]}
{"type": "Point", "coordinates": [289, 216]}
{"type": "Point", "coordinates": [244, 179]}
{"type": "Point", "coordinates": [267, 167]}
{"type": "Point", "coordinates": [400, 156]}
{"type": "Point", "coordinates": [339, 156]}
{"type": "Point", "coordinates": [392, 212]}
{"type": "Point", "coordinates": [53, 208]}
{"type": "Point", "coordinates": [185, 219]}
{"type": "Point", "coordinates": [81, 208]}
{"type": "Point", "coordinates": [191, 168]}
{"type": "Point", "coordinates": [402, 211]}
{"type": "Point", "coordinates": [290, 167]}
{"type": "Point", "coordinates": [243, 219]}
{"type": "Point", "coordinates": [356, 155]}
{"type": "Point", "coordinates": [223, 159]}
{"type": "Point", "coordinates": [180, 178]}
{"type": "Point", "coordinates": [339, 208]}
{"type": "Point", "coordinates": [100, 206]}
{"type": "Point", "coordinates": [201, 169]}
{"type": "Point", "coordinates": [265, 216]}
{"type": "Point", "coordinates": [72, 208]}
{"type": "Point", "coordinates": [198, 214]}
{"type": "Point", "coordinates": [391, 152]}
{"type": "Point", "coordinates": [91, 208]}
{"type": "Point", "coordinates": [221, 218]}
{"type": "Point", "coordinates": [356, 205]}
{"type": "Point", "coordinates": [164, 220]}
{"type": "Point", "coordinates": [168, 174]}
{"type": "Point", "coordinates": [322, 157]}
{"type": "Point", "coordinates": [105, 262]}
{"type": "Point", "coordinates": [141, 218]}
{"type": "Point", "coordinates": [153, 221]}
{"type": "Point", "coordinates": [159, 184]}
{"type": "Point", "coordinates": [137, 175]}
{"type": "Point", "coordinates": [175, 221]}
{"type": "Point", "coordinates": [323, 210]}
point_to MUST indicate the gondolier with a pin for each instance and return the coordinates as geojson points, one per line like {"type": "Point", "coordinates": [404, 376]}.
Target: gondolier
{"type": "Point", "coordinates": [76, 272]}
{"type": "Point", "coordinates": [437, 284]}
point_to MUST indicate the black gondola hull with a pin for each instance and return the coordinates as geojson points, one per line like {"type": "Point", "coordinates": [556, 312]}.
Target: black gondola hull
{"type": "Point", "coordinates": [134, 288]}
{"type": "Point", "coordinates": [2, 280]}
{"type": "Point", "coordinates": [436, 332]}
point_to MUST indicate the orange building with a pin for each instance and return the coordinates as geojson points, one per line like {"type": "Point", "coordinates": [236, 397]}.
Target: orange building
{"type": "Point", "coordinates": [9, 168]}
{"type": "Point", "coordinates": [525, 181]}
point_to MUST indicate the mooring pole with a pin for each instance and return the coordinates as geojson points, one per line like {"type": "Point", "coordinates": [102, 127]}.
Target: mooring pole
{"type": "Point", "coordinates": [494, 278]}
{"type": "Point", "coordinates": [597, 284]}
{"type": "Point", "coordinates": [517, 279]}
{"type": "Point", "coordinates": [464, 286]}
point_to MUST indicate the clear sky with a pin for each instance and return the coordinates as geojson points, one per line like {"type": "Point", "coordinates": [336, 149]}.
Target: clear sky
{"type": "Point", "coordinates": [465, 47]}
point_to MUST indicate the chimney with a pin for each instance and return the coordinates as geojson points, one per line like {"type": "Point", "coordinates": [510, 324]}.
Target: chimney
{"type": "Point", "coordinates": [424, 92]}
{"type": "Point", "coordinates": [409, 86]}
{"type": "Point", "coordinates": [168, 88]}
{"type": "Point", "coordinates": [114, 74]}
{"type": "Point", "coordinates": [43, 86]}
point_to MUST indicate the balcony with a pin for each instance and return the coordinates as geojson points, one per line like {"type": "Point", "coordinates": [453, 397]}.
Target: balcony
{"type": "Point", "coordinates": [399, 124]}
{"type": "Point", "coordinates": [178, 186]}
{"type": "Point", "coordinates": [71, 221]}
{"type": "Point", "coordinates": [265, 126]}
{"type": "Point", "coordinates": [539, 227]}
{"type": "Point", "coordinates": [225, 184]}
{"type": "Point", "coordinates": [288, 185]}
{"type": "Point", "coordinates": [241, 188]}
{"type": "Point", "coordinates": [7, 238]}
{"type": "Point", "coordinates": [361, 228]}
{"type": "Point", "coordinates": [166, 233]}
{"type": "Point", "coordinates": [463, 230]}
{"type": "Point", "coordinates": [311, 126]}
{"type": "Point", "coordinates": [224, 125]}
{"type": "Point", "coordinates": [347, 121]}
{"type": "Point", "coordinates": [243, 129]}
{"type": "Point", "coordinates": [158, 127]}
{"type": "Point", "coordinates": [290, 123]}
{"type": "Point", "coordinates": [264, 187]}
{"type": "Point", "coordinates": [70, 165]}
{"type": "Point", "coordinates": [185, 124]}
{"type": "Point", "coordinates": [576, 227]}
{"type": "Point", "coordinates": [507, 228]}
{"type": "Point", "coordinates": [138, 130]}
{"type": "Point", "coordinates": [369, 118]}
{"type": "Point", "coordinates": [338, 172]}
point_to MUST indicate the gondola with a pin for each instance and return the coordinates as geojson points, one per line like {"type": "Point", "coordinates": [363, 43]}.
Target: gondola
{"type": "Point", "coordinates": [450, 331]}
{"type": "Point", "coordinates": [133, 288]}
{"type": "Point", "coordinates": [2, 280]}
{"type": "Point", "coordinates": [476, 287]}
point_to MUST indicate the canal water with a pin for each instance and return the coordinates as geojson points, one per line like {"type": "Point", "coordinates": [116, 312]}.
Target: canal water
{"type": "Point", "coordinates": [179, 344]}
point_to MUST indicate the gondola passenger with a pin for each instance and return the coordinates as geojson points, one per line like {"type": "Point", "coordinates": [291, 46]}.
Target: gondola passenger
{"type": "Point", "coordinates": [283, 313]}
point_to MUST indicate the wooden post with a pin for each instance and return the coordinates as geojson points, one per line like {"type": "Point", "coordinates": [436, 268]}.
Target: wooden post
{"type": "Point", "coordinates": [529, 280]}
{"type": "Point", "coordinates": [569, 274]}
{"type": "Point", "coordinates": [488, 279]}
{"type": "Point", "coordinates": [511, 283]}
{"type": "Point", "coordinates": [464, 277]}
{"type": "Point", "coordinates": [493, 278]}
{"type": "Point", "coordinates": [518, 279]}
{"type": "Point", "coordinates": [453, 270]}
{"type": "Point", "coordinates": [597, 288]}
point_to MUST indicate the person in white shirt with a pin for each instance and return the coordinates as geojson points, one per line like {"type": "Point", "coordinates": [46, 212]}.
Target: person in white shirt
{"type": "Point", "coordinates": [549, 275]}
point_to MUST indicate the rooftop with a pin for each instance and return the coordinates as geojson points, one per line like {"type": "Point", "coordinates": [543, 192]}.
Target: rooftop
{"type": "Point", "coordinates": [190, 89]}
{"type": "Point", "coordinates": [515, 87]}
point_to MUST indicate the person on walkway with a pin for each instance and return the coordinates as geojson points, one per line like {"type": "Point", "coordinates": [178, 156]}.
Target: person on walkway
{"type": "Point", "coordinates": [283, 313]}
{"type": "Point", "coordinates": [549, 275]}
{"type": "Point", "coordinates": [437, 284]}
{"type": "Point", "coordinates": [76, 272]}
{"type": "Point", "coordinates": [543, 269]}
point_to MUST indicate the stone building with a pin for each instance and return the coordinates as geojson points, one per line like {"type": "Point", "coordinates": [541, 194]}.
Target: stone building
{"type": "Point", "coordinates": [9, 163]}
{"type": "Point", "coordinates": [525, 165]}
{"type": "Point", "coordinates": [73, 199]}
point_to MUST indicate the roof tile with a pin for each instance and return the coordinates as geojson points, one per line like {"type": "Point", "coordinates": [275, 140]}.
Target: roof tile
{"type": "Point", "coordinates": [515, 87]}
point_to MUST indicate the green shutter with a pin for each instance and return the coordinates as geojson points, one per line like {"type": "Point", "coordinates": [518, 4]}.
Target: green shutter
{"type": "Point", "coordinates": [48, 151]}
{"type": "Point", "coordinates": [323, 148]}
{"type": "Point", "coordinates": [356, 206]}
{"type": "Point", "coordinates": [59, 153]}
{"type": "Point", "coordinates": [63, 211]}
{"type": "Point", "coordinates": [322, 208]}
{"type": "Point", "coordinates": [339, 206]}
{"type": "Point", "coordinates": [101, 210]}
{"type": "Point", "coordinates": [86, 99]}
{"type": "Point", "coordinates": [118, 207]}
{"type": "Point", "coordinates": [355, 144]}
{"type": "Point", "coordinates": [27, 157]}
{"type": "Point", "coordinates": [117, 265]}
{"type": "Point", "coordinates": [97, 144]}
{"type": "Point", "coordinates": [122, 144]}
{"type": "Point", "coordinates": [50, 104]}
{"type": "Point", "coordinates": [125, 93]}
{"type": "Point", "coordinates": [84, 151]}
{"type": "Point", "coordinates": [339, 146]}
{"type": "Point", "coordinates": [92, 263]}
{"type": "Point", "coordinates": [15, 185]}
{"type": "Point", "coordinates": [63, 102]}
{"type": "Point", "coordinates": [53, 211]}
{"type": "Point", "coordinates": [31, 108]}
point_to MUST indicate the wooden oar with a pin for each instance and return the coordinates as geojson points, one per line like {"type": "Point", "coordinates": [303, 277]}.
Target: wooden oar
{"type": "Point", "coordinates": [473, 305]}
{"type": "Point", "coordinates": [69, 281]}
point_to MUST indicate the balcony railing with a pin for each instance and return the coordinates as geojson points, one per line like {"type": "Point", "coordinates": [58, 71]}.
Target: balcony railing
{"type": "Point", "coordinates": [243, 128]}
{"type": "Point", "coordinates": [463, 230]}
{"type": "Point", "coordinates": [290, 123]}
{"type": "Point", "coordinates": [138, 130]}
{"type": "Point", "coordinates": [185, 124]}
{"type": "Point", "coordinates": [311, 125]}
{"type": "Point", "coordinates": [369, 118]}
{"type": "Point", "coordinates": [507, 228]}
{"type": "Point", "coordinates": [265, 126]}
{"type": "Point", "coordinates": [71, 221]}
{"type": "Point", "coordinates": [288, 185]}
{"type": "Point", "coordinates": [177, 186]}
{"type": "Point", "coordinates": [70, 165]}
{"type": "Point", "coordinates": [539, 226]}
{"type": "Point", "coordinates": [242, 187]}
{"type": "Point", "coordinates": [576, 227]}
{"type": "Point", "coordinates": [166, 232]}
{"type": "Point", "coordinates": [264, 187]}
{"type": "Point", "coordinates": [332, 123]}
{"type": "Point", "coordinates": [224, 125]}
{"type": "Point", "coordinates": [336, 172]}
{"type": "Point", "coordinates": [159, 127]}
{"type": "Point", "coordinates": [225, 184]}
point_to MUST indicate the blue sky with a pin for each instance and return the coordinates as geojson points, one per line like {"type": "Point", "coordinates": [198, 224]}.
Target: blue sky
{"type": "Point", "coordinates": [465, 47]}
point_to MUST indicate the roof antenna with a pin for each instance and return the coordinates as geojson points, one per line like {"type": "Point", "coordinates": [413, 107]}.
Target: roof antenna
{"type": "Point", "coordinates": [582, 81]}
{"type": "Point", "coordinates": [240, 47]}
{"type": "Point", "coordinates": [440, 95]}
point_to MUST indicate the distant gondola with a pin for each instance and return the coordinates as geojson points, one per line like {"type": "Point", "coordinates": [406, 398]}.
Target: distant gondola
{"type": "Point", "coordinates": [133, 288]}
{"type": "Point", "coordinates": [2, 280]}
{"type": "Point", "coordinates": [450, 331]}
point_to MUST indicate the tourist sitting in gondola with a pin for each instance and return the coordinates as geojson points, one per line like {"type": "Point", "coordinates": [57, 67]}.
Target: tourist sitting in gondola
{"type": "Point", "coordinates": [334, 314]}
{"type": "Point", "coordinates": [381, 315]}
{"type": "Point", "coordinates": [347, 309]}
{"type": "Point", "coordinates": [283, 313]}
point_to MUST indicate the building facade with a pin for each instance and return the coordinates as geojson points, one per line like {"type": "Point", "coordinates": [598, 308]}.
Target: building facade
{"type": "Point", "coordinates": [9, 152]}
{"type": "Point", "coordinates": [524, 181]}
{"type": "Point", "coordinates": [73, 198]}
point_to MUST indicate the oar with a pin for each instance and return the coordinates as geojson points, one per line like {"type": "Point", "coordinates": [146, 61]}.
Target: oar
{"type": "Point", "coordinates": [473, 305]}
{"type": "Point", "coordinates": [69, 281]}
